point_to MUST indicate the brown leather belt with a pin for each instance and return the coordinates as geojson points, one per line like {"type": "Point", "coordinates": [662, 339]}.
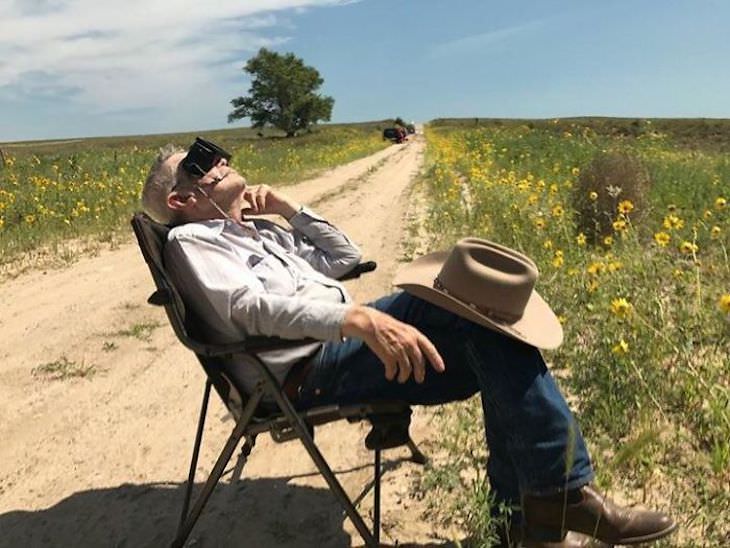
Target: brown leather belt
{"type": "Point", "coordinates": [296, 377]}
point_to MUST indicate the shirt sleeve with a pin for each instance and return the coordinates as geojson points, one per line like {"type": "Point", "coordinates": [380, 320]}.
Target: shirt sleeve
{"type": "Point", "coordinates": [326, 248]}
{"type": "Point", "coordinates": [225, 292]}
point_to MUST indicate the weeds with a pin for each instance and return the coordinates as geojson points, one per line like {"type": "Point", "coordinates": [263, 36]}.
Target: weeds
{"type": "Point", "coordinates": [63, 368]}
{"type": "Point", "coordinates": [109, 346]}
{"type": "Point", "coordinates": [141, 331]}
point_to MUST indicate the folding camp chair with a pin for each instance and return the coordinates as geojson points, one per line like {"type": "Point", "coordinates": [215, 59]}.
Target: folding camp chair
{"type": "Point", "coordinates": [389, 420]}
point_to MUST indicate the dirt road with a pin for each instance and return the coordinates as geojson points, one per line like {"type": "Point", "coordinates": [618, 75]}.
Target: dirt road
{"type": "Point", "coordinates": [101, 460]}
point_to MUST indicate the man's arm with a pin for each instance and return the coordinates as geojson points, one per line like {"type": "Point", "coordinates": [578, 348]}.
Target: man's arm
{"type": "Point", "coordinates": [326, 248]}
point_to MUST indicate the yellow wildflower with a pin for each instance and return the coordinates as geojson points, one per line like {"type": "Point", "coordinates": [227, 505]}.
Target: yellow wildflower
{"type": "Point", "coordinates": [715, 232]}
{"type": "Point", "coordinates": [724, 303]}
{"type": "Point", "coordinates": [580, 239]}
{"type": "Point", "coordinates": [575, 171]}
{"type": "Point", "coordinates": [707, 214]}
{"type": "Point", "coordinates": [619, 225]}
{"type": "Point", "coordinates": [553, 188]}
{"type": "Point", "coordinates": [622, 347]}
{"type": "Point", "coordinates": [591, 286]}
{"type": "Point", "coordinates": [688, 247]}
{"type": "Point", "coordinates": [621, 307]}
{"type": "Point", "coordinates": [558, 259]}
{"type": "Point", "coordinates": [595, 268]}
{"type": "Point", "coordinates": [608, 241]}
{"type": "Point", "coordinates": [547, 244]}
{"type": "Point", "coordinates": [540, 223]}
{"type": "Point", "coordinates": [532, 199]}
{"type": "Point", "coordinates": [662, 239]}
{"type": "Point", "coordinates": [677, 273]}
{"type": "Point", "coordinates": [720, 203]}
{"type": "Point", "coordinates": [558, 210]}
{"type": "Point", "coordinates": [614, 266]}
{"type": "Point", "coordinates": [593, 196]}
{"type": "Point", "coordinates": [672, 221]}
{"type": "Point", "coordinates": [625, 207]}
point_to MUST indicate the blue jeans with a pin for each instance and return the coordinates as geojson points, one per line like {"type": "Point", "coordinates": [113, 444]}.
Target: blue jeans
{"type": "Point", "coordinates": [535, 445]}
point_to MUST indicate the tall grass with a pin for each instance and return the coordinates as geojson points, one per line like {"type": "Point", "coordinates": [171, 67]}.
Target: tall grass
{"type": "Point", "coordinates": [646, 311]}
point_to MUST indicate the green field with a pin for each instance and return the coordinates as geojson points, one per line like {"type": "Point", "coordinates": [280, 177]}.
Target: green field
{"type": "Point", "coordinates": [646, 308]}
{"type": "Point", "coordinates": [55, 191]}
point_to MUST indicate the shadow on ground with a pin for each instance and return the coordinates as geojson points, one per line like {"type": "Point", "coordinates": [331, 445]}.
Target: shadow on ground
{"type": "Point", "coordinates": [253, 513]}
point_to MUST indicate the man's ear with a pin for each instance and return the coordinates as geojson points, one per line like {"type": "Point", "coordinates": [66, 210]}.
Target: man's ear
{"type": "Point", "coordinates": [181, 201]}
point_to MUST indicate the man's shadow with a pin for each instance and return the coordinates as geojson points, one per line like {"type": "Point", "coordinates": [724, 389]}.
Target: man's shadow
{"type": "Point", "coordinates": [264, 513]}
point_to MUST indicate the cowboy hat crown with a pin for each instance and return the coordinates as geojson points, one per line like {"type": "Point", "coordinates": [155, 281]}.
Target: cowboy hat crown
{"type": "Point", "coordinates": [486, 283]}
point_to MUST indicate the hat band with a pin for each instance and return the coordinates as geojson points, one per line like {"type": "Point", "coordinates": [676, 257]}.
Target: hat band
{"type": "Point", "coordinates": [498, 315]}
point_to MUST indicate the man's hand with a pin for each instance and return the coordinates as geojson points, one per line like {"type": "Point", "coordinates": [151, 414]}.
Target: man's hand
{"type": "Point", "coordinates": [263, 200]}
{"type": "Point", "coordinates": [402, 348]}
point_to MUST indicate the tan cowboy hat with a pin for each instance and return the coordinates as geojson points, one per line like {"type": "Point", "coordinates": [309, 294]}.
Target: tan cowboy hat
{"type": "Point", "coordinates": [488, 284]}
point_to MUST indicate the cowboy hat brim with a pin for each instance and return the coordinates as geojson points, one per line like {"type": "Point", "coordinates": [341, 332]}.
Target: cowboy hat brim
{"type": "Point", "coordinates": [538, 326]}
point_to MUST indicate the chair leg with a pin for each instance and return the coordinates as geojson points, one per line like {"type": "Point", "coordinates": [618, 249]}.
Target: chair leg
{"type": "Point", "coordinates": [243, 457]}
{"type": "Point", "coordinates": [196, 451]}
{"type": "Point", "coordinates": [416, 455]}
{"type": "Point", "coordinates": [376, 496]}
{"type": "Point", "coordinates": [189, 522]}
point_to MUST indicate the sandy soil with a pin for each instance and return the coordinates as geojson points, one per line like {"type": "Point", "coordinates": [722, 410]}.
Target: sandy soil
{"type": "Point", "coordinates": [101, 460]}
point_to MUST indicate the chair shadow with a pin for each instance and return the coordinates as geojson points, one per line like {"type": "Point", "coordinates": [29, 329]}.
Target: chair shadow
{"type": "Point", "coordinates": [269, 512]}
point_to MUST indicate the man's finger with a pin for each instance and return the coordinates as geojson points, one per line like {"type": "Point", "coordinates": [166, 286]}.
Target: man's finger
{"type": "Point", "coordinates": [404, 366]}
{"type": "Point", "coordinates": [432, 355]}
{"type": "Point", "coordinates": [249, 197]}
{"type": "Point", "coordinates": [417, 362]}
{"type": "Point", "coordinates": [261, 200]}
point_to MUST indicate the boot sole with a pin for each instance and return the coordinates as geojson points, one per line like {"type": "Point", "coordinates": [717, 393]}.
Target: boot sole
{"type": "Point", "coordinates": [645, 538]}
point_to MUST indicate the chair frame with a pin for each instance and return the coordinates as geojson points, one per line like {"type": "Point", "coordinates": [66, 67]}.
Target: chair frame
{"type": "Point", "coordinates": [389, 419]}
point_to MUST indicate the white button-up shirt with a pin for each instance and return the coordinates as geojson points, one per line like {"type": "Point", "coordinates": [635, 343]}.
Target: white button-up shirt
{"type": "Point", "coordinates": [257, 278]}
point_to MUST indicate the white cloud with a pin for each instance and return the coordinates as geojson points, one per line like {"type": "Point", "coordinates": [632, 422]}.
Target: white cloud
{"type": "Point", "coordinates": [134, 54]}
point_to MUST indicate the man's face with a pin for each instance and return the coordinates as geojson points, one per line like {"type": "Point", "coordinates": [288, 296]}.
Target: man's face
{"type": "Point", "coordinates": [222, 184]}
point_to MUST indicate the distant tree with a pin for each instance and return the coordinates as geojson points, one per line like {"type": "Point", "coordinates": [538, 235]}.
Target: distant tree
{"type": "Point", "coordinates": [283, 94]}
{"type": "Point", "coordinates": [399, 122]}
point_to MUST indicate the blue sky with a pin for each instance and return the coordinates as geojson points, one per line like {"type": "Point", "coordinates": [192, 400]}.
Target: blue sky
{"type": "Point", "coordinates": [71, 68]}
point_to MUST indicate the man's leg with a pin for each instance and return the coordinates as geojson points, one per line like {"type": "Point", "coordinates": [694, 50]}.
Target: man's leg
{"type": "Point", "coordinates": [529, 427]}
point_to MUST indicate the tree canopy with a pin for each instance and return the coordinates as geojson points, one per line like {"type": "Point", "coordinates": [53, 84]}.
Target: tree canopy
{"type": "Point", "coordinates": [283, 94]}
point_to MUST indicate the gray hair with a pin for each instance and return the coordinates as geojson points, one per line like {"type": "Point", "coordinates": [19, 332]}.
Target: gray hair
{"type": "Point", "coordinates": [160, 182]}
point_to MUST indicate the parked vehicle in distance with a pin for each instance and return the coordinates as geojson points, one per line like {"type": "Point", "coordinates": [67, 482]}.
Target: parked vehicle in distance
{"type": "Point", "coordinates": [395, 134]}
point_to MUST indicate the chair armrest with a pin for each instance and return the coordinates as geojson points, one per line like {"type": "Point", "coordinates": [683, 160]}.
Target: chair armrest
{"type": "Point", "coordinates": [359, 270]}
{"type": "Point", "coordinates": [251, 345]}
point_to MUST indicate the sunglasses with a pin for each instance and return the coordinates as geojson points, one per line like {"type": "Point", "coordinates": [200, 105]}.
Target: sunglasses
{"type": "Point", "coordinates": [203, 156]}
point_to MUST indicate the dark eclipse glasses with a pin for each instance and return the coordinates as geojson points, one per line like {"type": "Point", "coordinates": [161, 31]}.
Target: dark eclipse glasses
{"type": "Point", "coordinates": [202, 156]}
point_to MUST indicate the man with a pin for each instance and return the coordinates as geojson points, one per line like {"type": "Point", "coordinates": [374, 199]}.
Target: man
{"type": "Point", "coordinates": [469, 321]}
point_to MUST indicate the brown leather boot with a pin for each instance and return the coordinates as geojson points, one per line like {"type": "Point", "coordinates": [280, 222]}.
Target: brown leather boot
{"type": "Point", "coordinates": [591, 513]}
